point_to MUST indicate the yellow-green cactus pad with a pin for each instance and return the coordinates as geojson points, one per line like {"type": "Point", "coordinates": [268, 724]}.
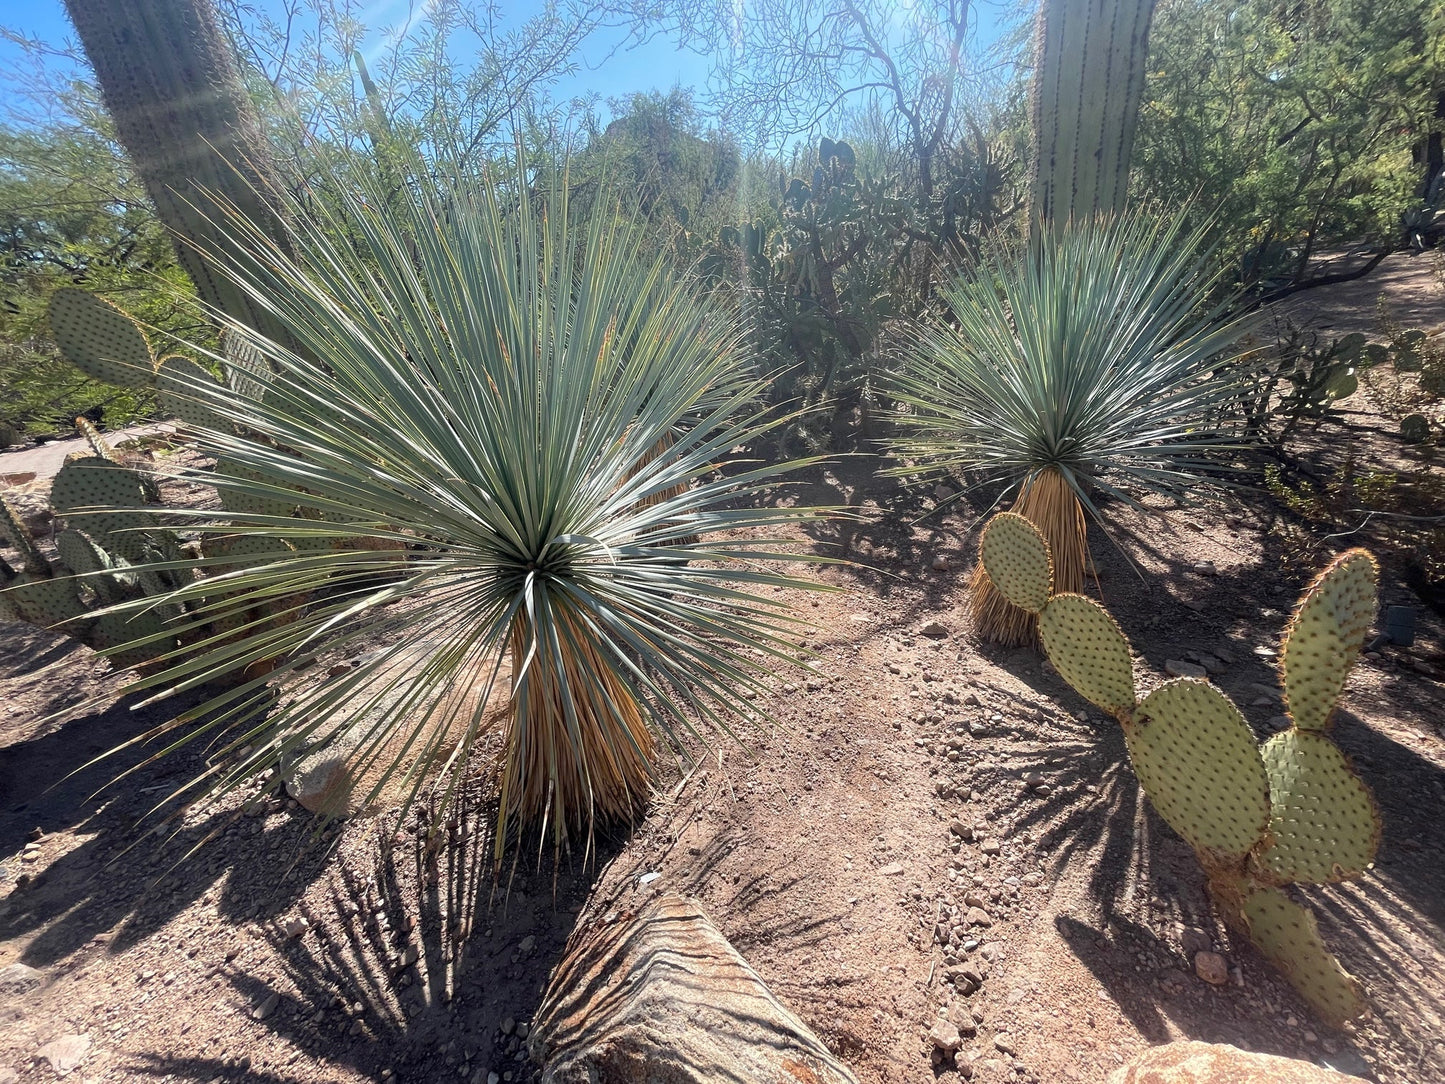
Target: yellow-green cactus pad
{"type": "Point", "coordinates": [44, 601]}
{"type": "Point", "coordinates": [1324, 822]}
{"type": "Point", "coordinates": [181, 387]}
{"type": "Point", "coordinates": [1089, 651]}
{"type": "Point", "coordinates": [247, 501]}
{"type": "Point", "coordinates": [1196, 758]}
{"type": "Point", "coordinates": [99, 339]}
{"type": "Point", "coordinates": [1325, 637]}
{"type": "Point", "coordinates": [130, 638]}
{"type": "Point", "coordinates": [1289, 937]}
{"type": "Point", "coordinates": [1016, 558]}
{"type": "Point", "coordinates": [104, 500]}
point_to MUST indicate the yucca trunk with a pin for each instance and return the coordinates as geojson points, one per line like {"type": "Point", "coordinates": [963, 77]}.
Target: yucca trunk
{"type": "Point", "coordinates": [172, 85]}
{"type": "Point", "coordinates": [1087, 88]}
{"type": "Point", "coordinates": [1047, 502]}
{"type": "Point", "coordinates": [578, 748]}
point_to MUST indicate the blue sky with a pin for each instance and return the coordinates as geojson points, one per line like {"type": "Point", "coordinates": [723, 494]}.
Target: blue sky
{"type": "Point", "coordinates": [603, 68]}
{"type": "Point", "coordinates": [656, 65]}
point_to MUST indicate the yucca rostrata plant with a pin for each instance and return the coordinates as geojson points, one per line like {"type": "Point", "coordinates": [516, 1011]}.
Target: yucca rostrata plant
{"type": "Point", "coordinates": [1095, 361]}
{"type": "Point", "coordinates": [1259, 819]}
{"type": "Point", "coordinates": [546, 413]}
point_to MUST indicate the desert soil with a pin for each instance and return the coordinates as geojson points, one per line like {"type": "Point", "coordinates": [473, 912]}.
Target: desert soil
{"type": "Point", "coordinates": [913, 783]}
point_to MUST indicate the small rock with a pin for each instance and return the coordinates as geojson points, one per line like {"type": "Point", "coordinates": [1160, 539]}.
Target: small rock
{"type": "Point", "coordinates": [66, 1052]}
{"type": "Point", "coordinates": [893, 869]}
{"type": "Point", "coordinates": [1205, 568]}
{"type": "Point", "coordinates": [1180, 668]}
{"type": "Point", "coordinates": [1194, 940]}
{"type": "Point", "coordinates": [1211, 967]}
{"type": "Point", "coordinates": [1004, 1043]}
{"type": "Point", "coordinates": [1212, 663]}
{"type": "Point", "coordinates": [945, 1036]}
{"type": "Point", "coordinates": [940, 563]}
{"type": "Point", "coordinates": [295, 927]}
{"type": "Point", "coordinates": [942, 492]}
{"type": "Point", "coordinates": [528, 943]}
{"type": "Point", "coordinates": [859, 619]}
{"type": "Point", "coordinates": [266, 1008]}
{"type": "Point", "coordinates": [992, 846]}
{"type": "Point", "coordinates": [19, 978]}
{"type": "Point", "coordinates": [509, 1025]}
{"type": "Point", "coordinates": [936, 630]}
{"type": "Point", "coordinates": [977, 916]}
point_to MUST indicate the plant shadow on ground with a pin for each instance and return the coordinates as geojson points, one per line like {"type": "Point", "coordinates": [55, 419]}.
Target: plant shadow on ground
{"type": "Point", "coordinates": [411, 953]}
{"type": "Point", "coordinates": [1096, 817]}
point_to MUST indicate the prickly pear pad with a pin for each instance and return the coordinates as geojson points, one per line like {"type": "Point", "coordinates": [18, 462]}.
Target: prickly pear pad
{"type": "Point", "coordinates": [1196, 757]}
{"type": "Point", "coordinates": [1324, 822]}
{"type": "Point", "coordinates": [180, 385]}
{"type": "Point", "coordinates": [1016, 558]}
{"type": "Point", "coordinates": [1325, 637]}
{"type": "Point", "coordinates": [1089, 651]}
{"type": "Point", "coordinates": [1289, 937]}
{"type": "Point", "coordinates": [113, 496]}
{"type": "Point", "coordinates": [99, 339]}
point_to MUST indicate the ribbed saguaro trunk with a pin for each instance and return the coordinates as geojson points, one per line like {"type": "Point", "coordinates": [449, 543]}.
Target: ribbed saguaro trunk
{"type": "Point", "coordinates": [1087, 86]}
{"type": "Point", "coordinates": [173, 87]}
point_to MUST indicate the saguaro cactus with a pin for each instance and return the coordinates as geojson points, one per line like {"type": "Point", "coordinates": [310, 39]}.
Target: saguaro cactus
{"type": "Point", "coordinates": [173, 87]}
{"type": "Point", "coordinates": [1293, 812]}
{"type": "Point", "coordinates": [1087, 86]}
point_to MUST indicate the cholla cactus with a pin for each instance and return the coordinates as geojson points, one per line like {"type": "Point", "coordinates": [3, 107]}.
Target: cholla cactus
{"type": "Point", "coordinates": [1293, 812]}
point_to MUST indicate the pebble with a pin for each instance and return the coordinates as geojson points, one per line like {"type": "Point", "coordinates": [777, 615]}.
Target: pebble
{"type": "Point", "coordinates": [1211, 967]}
{"type": "Point", "coordinates": [266, 1008]}
{"type": "Point", "coordinates": [940, 563]}
{"type": "Point", "coordinates": [1004, 1043]}
{"type": "Point", "coordinates": [935, 630]}
{"type": "Point", "coordinates": [893, 869]}
{"type": "Point", "coordinates": [528, 943]}
{"type": "Point", "coordinates": [992, 846]}
{"type": "Point", "coordinates": [1205, 568]}
{"type": "Point", "coordinates": [295, 927]}
{"type": "Point", "coordinates": [977, 916]}
{"type": "Point", "coordinates": [1180, 668]}
{"type": "Point", "coordinates": [66, 1052]}
{"type": "Point", "coordinates": [509, 1025]}
{"type": "Point", "coordinates": [19, 978]}
{"type": "Point", "coordinates": [1193, 940]}
{"type": "Point", "coordinates": [945, 1036]}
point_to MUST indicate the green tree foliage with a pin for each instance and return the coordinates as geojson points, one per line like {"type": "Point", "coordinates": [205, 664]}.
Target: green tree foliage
{"type": "Point", "coordinates": [1296, 123]}
{"type": "Point", "coordinates": [72, 213]}
{"type": "Point", "coordinates": [658, 149]}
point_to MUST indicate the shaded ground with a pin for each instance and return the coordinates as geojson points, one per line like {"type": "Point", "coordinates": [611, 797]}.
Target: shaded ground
{"type": "Point", "coordinates": [826, 853]}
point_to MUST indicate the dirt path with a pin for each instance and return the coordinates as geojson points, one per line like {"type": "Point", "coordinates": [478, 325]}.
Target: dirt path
{"type": "Point", "coordinates": [857, 835]}
{"type": "Point", "coordinates": [43, 461]}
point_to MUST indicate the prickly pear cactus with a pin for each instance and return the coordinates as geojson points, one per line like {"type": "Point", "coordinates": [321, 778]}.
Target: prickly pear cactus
{"type": "Point", "coordinates": [1293, 812]}
{"type": "Point", "coordinates": [99, 338]}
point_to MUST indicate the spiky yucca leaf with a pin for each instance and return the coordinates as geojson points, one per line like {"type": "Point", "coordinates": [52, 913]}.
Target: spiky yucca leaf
{"type": "Point", "coordinates": [539, 414]}
{"type": "Point", "coordinates": [1094, 353]}
{"type": "Point", "coordinates": [1090, 358]}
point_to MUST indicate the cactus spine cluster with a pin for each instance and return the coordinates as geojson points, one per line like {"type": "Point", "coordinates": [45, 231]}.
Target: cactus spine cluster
{"type": "Point", "coordinates": [1259, 819]}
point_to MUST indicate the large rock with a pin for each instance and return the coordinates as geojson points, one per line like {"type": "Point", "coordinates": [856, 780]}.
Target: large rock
{"type": "Point", "coordinates": [1218, 1063]}
{"type": "Point", "coordinates": [660, 997]}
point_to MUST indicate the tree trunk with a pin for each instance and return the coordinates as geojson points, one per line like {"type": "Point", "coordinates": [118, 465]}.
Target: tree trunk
{"type": "Point", "coordinates": [1087, 88]}
{"type": "Point", "coordinates": [173, 87]}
